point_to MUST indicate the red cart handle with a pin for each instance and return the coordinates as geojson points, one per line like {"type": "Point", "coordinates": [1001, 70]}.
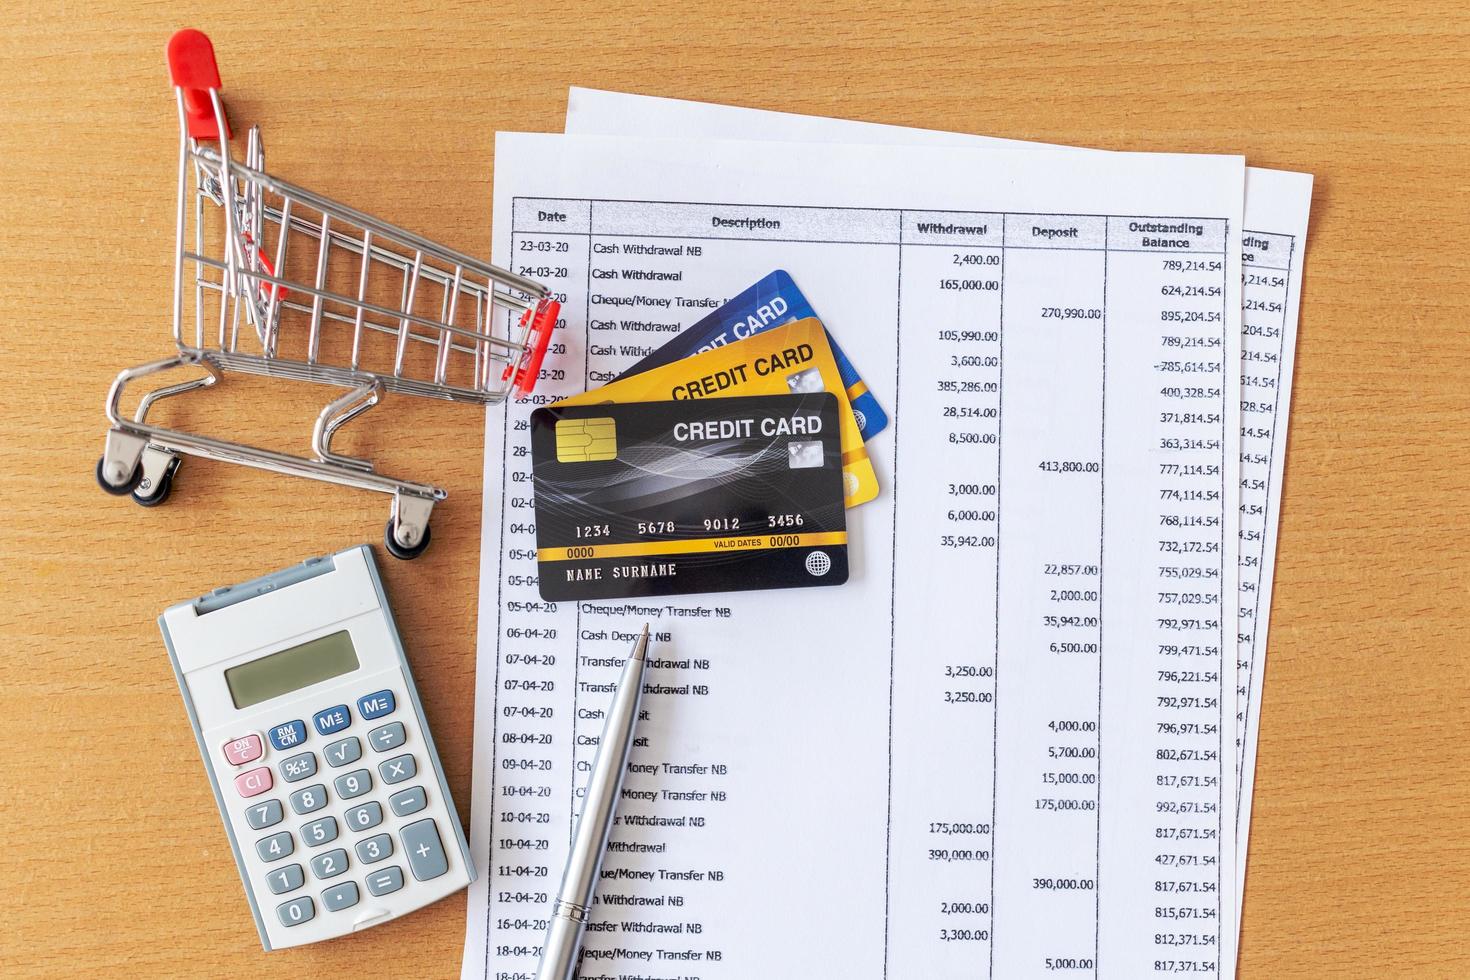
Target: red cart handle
{"type": "Point", "coordinates": [193, 70]}
{"type": "Point", "coordinates": [538, 338]}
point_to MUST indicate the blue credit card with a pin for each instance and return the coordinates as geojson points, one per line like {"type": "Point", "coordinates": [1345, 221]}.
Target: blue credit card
{"type": "Point", "coordinates": [769, 303]}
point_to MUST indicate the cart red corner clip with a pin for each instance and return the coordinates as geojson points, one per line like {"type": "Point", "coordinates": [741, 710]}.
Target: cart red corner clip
{"type": "Point", "coordinates": [542, 321]}
{"type": "Point", "coordinates": [194, 72]}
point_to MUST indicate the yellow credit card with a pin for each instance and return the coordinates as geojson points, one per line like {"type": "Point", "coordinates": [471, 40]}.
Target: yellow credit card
{"type": "Point", "coordinates": [787, 360]}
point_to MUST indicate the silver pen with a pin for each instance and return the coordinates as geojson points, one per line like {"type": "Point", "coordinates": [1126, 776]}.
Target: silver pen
{"type": "Point", "coordinates": [589, 843]}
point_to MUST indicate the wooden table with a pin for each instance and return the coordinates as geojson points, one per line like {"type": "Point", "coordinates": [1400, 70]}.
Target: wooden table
{"type": "Point", "coordinates": [114, 856]}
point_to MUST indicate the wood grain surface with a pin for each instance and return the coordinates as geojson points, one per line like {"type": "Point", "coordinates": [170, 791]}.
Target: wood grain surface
{"type": "Point", "coordinates": [114, 861]}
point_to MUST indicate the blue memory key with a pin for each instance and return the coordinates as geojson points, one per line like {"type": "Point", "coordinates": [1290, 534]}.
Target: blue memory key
{"type": "Point", "coordinates": [773, 301]}
{"type": "Point", "coordinates": [376, 705]}
{"type": "Point", "coordinates": [289, 734]}
{"type": "Point", "coordinates": [332, 720]}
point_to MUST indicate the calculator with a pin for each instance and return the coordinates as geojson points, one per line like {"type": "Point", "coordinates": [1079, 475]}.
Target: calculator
{"type": "Point", "coordinates": [315, 744]}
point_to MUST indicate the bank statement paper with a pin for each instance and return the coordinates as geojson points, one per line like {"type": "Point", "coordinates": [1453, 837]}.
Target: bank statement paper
{"type": "Point", "coordinates": [1273, 256]}
{"type": "Point", "coordinates": [1007, 743]}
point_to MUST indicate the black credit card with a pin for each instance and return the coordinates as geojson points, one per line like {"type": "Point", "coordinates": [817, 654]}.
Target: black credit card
{"type": "Point", "coordinates": [679, 497]}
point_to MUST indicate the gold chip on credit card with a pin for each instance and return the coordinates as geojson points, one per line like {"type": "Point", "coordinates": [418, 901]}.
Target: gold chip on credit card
{"type": "Point", "coordinates": [586, 440]}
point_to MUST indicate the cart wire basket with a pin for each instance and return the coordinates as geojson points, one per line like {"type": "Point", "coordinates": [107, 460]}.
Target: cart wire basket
{"type": "Point", "coordinates": [290, 284]}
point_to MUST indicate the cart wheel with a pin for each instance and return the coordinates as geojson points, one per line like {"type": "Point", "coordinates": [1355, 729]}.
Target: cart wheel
{"type": "Point", "coordinates": [165, 487]}
{"type": "Point", "coordinates": [127, 487]}
{"type": "Point", "coordinates": [399, 551]}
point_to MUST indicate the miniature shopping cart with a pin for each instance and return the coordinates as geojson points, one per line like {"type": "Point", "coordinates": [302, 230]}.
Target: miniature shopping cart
{"type": "Point", "coordinates": [290, 284]}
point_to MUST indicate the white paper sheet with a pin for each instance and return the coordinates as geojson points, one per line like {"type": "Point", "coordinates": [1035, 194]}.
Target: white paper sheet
{"type": "Point", "coordinates": [1277, 203]}
{"type": "Point", "coordinates": [1272, 258]}
{"type": "Point", "coordinates": [1004, 746]}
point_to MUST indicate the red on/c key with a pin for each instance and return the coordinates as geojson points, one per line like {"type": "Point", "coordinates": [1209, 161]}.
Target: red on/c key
{"type": "Point", "coordinates": [245, 749]}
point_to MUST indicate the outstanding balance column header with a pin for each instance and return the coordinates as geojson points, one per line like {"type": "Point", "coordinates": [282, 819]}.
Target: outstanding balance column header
{"type": "Point", "coordinates": [1266, 250]}
{"type": "Point", "coordinates": [1144, 234]}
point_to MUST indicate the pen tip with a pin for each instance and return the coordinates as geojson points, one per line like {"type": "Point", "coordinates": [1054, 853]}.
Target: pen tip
{"type": "Point", "coordinates": [640, 647]}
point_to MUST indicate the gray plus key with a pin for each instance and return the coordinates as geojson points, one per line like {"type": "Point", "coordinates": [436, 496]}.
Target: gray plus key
{"type": "Point", "coordinates": [425, 852]}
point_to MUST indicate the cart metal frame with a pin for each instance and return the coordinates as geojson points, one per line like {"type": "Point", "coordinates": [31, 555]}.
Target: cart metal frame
{"type": "Point", "coordinates": [485, 340]}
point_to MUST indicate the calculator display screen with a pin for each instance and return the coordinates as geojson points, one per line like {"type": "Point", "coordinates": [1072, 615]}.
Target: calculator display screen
{"type": "Point", "coordinates": [291, 669]}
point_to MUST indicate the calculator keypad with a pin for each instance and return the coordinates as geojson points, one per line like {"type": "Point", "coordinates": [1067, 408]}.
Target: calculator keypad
{"type": "Point", "coordinates": [385, 882]}
{"type": "Point", "coordinates": [243, 750]}
{"type": "Point", "coordinates": [343, 752]}
{"type": "Point", "coordinates": [376, 705]}
{"type": "Point", "coordinates": [332, 720]}
{"type": "Point", "coordinates": [276, 846]}
{"type": "Point", "coordinates": [354, 783]}
{"type": "Point", "coordinates": [416, 844]}
{"type": "Point", "coordinates": [397, 769]}
{"type": "Point", "coordinates": [286, 879]}
{"type": "Point", "coordinates": [388, 737]}
{"type": "Point", "coordinates": [365, 817]}
{"type": "Point", "coordinates": [319, 832]}
{"type": "Point", "coordinates": [262, 815]}
{"type": "Point", "coordinates": [374, 849]}
{"type": "Point", "coordinates": [343, 896]}
{"type": "Point", "coordinates": [425, 851]}
{"type": "Point", "coordinates": [289, 735]}
{"type": "Point", "coordinates": [254, 782]}
{"type": "Point", "coordinates": [309, 800]}
{"type": "Point", "coordinates": [408, 801]}
{"type": "Point", "coordinates": [296, 911]}
{"type": "Point", "coordinates": [298, 767]}
{"type": "Point", "coordinates": [330, 864]}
